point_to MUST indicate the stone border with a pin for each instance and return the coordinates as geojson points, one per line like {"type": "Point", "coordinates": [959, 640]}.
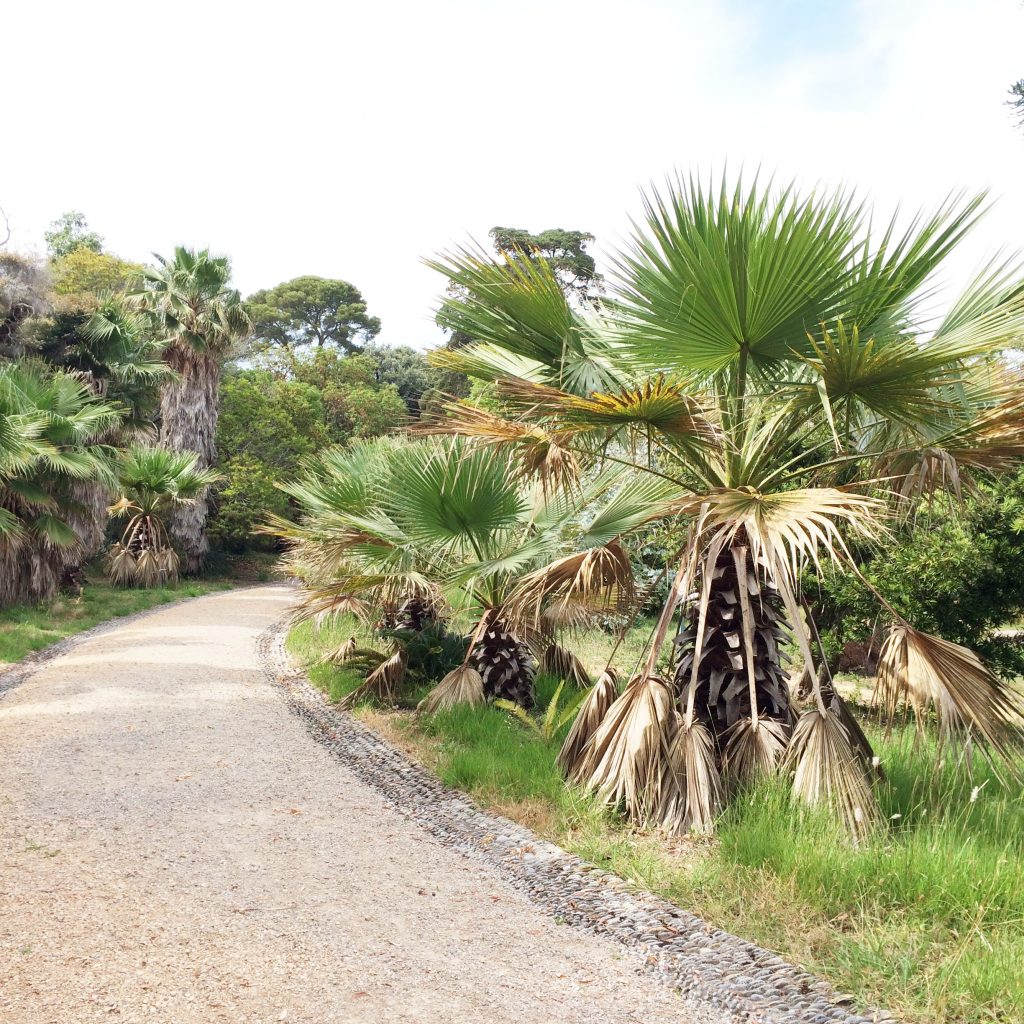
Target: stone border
{"type": "Point", "coordinates": [706, 966]}
{"type": "Point", "coordinates": [23, 669]}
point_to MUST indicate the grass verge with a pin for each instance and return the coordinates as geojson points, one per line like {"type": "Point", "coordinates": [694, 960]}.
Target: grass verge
{"type": "Point", "coordinates": [926, 919]}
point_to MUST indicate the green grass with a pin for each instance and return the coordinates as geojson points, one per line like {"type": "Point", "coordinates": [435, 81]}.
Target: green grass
{"type": "Point", "coordinates": [27, 628]}
{"type": "Point", "coordinates": [926, 919]}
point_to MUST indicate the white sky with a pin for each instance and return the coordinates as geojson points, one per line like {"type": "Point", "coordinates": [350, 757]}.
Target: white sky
{"type": "Point", "coordinates": [352, 139]}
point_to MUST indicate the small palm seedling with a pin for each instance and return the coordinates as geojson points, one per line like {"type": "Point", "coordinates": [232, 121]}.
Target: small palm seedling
{"type": "Point", "coordinates": [153, 482]}
{"type": "Point", "coordinates": [555, 717]}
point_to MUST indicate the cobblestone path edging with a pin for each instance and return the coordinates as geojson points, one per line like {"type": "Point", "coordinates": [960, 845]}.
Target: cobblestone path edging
{"type": "Point", "coordinates": [706, 966]}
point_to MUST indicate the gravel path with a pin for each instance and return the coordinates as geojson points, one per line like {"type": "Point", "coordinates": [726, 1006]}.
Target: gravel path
{"type": "Point", "coordinates": [175, 848]}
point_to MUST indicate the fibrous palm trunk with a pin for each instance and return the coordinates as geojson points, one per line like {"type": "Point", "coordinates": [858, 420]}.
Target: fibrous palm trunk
{"type": "Point", "coordinates": [188, 422]}
{"type": "Point", "coordinates": [505, 664]}
{"type": "Point", "coordinates": [723, 695]}
{"type": "Point", "coordinates": [415, 614]}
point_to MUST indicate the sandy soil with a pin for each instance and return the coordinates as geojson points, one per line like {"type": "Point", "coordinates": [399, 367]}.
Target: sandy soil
{"type": "Point", "coordinates": [174, 847]}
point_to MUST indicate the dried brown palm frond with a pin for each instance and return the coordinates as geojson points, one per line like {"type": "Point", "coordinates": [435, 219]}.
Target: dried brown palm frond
{"type": "Point", "coordinates": [590, 715]}
{"type": "Point", "coordinates": [754, 748]}
{"type": "Point", "coordinates": [692, 794]}
{"type": "Point", "coordinates": [599, 577]}
{"type": "Point", "coordinates": [544, 455]}
{"type": "Point", "coordinates": [121, 565]}
{"type": "Point", "coordinates": [981, 441]}
{"type": "Point", "coordinates": [563, 664]}
{"type": "Point", "coordinates": [382, 685]}
{"type": "Point", "coordinates": [344, 653]}
{"type": "Point", "coordinates": [568, 616]}
{"type": "Point", "coordinates": [969, 702]}
{"type": "Point", "coordinates": [136, 566]}
{"type": "Point", "coordinates": [147, 568]}
{"type": "Point", "coordinates": [624, 763]}
{"type": "Point", "coordinates": [462, 685]}
{"type": "Point", "coordinates": [169, 563]}
{"type": "Point", "coordinates": [828, 771]}
{"type": "Point", "coordinates": [789, 529]}
{"type": "Point", "coordinates": [328, 604]}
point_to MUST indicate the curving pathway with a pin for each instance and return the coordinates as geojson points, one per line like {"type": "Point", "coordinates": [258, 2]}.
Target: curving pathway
{"type": "Point", "coordinates": [175, 848]}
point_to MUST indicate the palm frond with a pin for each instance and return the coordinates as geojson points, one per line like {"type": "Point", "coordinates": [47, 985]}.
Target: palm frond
{"type": "Point", "coordinates": [590, 715]}
{"type": "Point", "coordinates": [624, 762]}
{"type": "Point", "coordinates": [543, 455]}
{"type": "Point", "coordinates": [828, 772]}
{"type": "Point", "coordinates": [669, 407]}
{"type": "Point", "coordinates": [788, 529]}
{"type": "Point", "coordinates": [343, 653]}
{"type": "Point", "coordinates": [519, 305]}
{"type": "Point", "coordinates": [463, 685]}
{"type": "Point", "coordinates": [711, 279]}
{"type": "Point", "coordinates": [563, 664]}
{"type": "Point", "coordinates": [600, 578]}
{"type": "Point", "coordinates": [937, 676]}
{"type": "Point", "coordinates": [754, 748]}
{"type": "Point", "coordinates": [692, 793]}
{"type": "Point", "coordinates": [382, 685]}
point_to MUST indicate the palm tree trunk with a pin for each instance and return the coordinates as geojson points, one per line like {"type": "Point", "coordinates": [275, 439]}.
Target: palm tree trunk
{"type": "Point", "coordinates": [505, 664]}
{"type": "Point", "coordinates": [723, 691]}
{"type": "Point", "coordinates": [188, 422]}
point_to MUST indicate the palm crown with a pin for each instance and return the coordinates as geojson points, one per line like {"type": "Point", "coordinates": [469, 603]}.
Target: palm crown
{"type": "Point", "coordinates": [153, 481]}
{"type": "Point", "coordinates": [51, 426]}
{"type": "Point", "coordinates": [196, 312]}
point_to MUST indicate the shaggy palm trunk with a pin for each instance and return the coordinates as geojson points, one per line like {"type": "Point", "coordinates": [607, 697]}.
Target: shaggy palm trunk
{"type": "Point", "coordinates": [505, 664]}
{"type": "Point", "coordinates": [723, 695]}
{"type": "Point", "coordinates": [188, 422]}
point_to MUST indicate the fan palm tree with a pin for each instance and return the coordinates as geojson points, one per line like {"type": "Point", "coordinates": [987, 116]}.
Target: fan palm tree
{"type": "Point", "coordinates": [51, 424]}
{"type": "Point", "coordinates": [153, 482]}
{"type": "Point", "coordinates": [112, 350]}
{"type": "Point", "coordinates": [201, 321]}
{"type": "Point", "coordinates": [772, 357]}
{"type": "Point", "coordinates": [463, 531]}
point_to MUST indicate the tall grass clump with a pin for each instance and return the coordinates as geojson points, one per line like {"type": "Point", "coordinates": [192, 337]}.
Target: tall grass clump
{"type": "Point", "coordinates": [928, 908]}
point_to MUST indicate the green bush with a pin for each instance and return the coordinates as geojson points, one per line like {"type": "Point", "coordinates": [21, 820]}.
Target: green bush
{"type": "Point", "coordinates": [959, 575]}
{"type": "Point", "coordinates": [267, 423]}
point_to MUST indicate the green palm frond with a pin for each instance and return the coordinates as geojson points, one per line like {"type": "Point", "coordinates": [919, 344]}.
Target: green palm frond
{"type": "Point", "coordinates": [713, 279]}
{"type": "Point", "coordinates": [891, 275]}
{"type": "Point", "coordinates": [454, 494]}
{"type": "Point", "coordinates": [519, 306]}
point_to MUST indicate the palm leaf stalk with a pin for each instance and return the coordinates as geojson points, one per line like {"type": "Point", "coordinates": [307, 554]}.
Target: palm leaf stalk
{"type": "Point", "coordinates": [771, 357]}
